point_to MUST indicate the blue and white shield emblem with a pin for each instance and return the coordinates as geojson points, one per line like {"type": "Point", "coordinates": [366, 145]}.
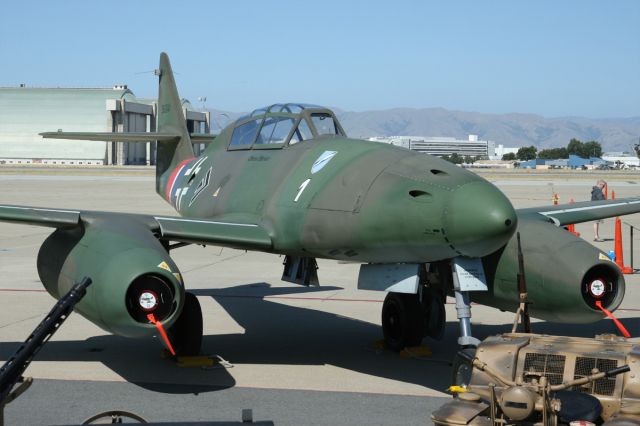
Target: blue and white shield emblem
{"type": "Point", "coordinates": [322, 161]}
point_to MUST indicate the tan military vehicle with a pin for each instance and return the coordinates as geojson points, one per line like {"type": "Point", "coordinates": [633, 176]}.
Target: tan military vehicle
{"type": "Point", "coordinates": [524, 378]}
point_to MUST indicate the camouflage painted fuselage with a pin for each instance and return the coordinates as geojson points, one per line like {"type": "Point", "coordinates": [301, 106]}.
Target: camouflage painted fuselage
{"type": "Point", "coordinates": [368, 202]}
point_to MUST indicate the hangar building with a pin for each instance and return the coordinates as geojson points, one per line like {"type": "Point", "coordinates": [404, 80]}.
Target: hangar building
{"type": "Point", "coordinates": [27, 111]}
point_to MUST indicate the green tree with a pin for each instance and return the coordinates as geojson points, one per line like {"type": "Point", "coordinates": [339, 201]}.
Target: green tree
{"type": "Point", "coordinates": [527, 153]}
{"type": "Point", "coordinates": [456, 159]}
{"type": "Point", "coordinates": [553, 153]}
{"type": "Point", "coordinates": [509, 156]}
{"type": "Point", "coordinates": [575, 147]}
{"type": "Point", "coordinates": [469, 159]}
{"type": "Point", "coordinates": [592, 149]}
{"type": "Point", "coordinates": [453, 158]}
{"type": "Point", "coordinates": [584, 150]}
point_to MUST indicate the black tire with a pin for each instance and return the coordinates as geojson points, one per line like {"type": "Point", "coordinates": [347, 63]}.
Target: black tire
{"type": "Point", "coordinates": [402, 321]}
{"type": "Point", "coordinates": [186, 332]}
{"type": "Point", "coordinates": [462, 368]}
{"type": "Point", "coordinates": [435, 317]}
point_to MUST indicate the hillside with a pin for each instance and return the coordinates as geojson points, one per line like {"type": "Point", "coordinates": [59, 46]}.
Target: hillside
{"type": "Point", "coordinates": [513, 130]}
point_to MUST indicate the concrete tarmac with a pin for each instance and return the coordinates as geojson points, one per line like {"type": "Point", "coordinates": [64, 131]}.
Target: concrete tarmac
{"type": "Point", "coordinates": [295, 355]}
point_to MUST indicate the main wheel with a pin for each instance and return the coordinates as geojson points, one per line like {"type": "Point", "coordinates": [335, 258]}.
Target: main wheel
{"type": "Point", "coordinates": [402, 321]}
{"type": "Point", "coordinates": [462, 368]}
{"type": "Point", "coordinates": [186, 332]}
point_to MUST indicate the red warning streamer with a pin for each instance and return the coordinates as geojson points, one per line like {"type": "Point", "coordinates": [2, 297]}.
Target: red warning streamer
{"type": "Point", "coordinates": [163, 333]}
{"type": "Point", "coordinates": [623, 330]}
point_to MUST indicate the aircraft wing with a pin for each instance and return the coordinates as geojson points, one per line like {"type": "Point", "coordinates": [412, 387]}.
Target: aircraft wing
{"type": "Point", "coordinates": [246, 236]}
{"type": "Point", "coordinates": [586, 211]}
{"type": "Point", "coordinates": [40, 216]}
{"type": "Point", "coordinates": [204, 231]}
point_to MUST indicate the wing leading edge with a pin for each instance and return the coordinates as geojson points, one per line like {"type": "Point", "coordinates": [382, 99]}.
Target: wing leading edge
{"type": "Point", "coordinates": [40, 216]}
{"type": "Point", "coordinates": [586, 211]}
{"type": "Point", "coordinates": [246, 236]}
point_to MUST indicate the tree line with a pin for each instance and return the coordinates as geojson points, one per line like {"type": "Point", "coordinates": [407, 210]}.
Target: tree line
{"type": "Point", "coordinates": [575, 147]}
{"type": "Point", "coordinates": [460, 159]}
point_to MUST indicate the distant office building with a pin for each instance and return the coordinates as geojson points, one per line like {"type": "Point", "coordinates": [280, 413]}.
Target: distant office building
{"type": "Point", "coordinates": [27, 111]}
{"type": "Point", "coordinates": [441, 146]}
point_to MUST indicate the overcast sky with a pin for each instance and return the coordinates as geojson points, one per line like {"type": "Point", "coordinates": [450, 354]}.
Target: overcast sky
{"type": "Point", "coordinates": [553, 58]}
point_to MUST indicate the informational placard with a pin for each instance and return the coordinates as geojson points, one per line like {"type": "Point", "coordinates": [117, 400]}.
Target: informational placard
{"type": "Point", "coordinates": [470, 274]}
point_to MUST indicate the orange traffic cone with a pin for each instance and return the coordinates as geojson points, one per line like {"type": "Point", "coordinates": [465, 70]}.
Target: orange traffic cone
{"type": "Point", "coordinates": [555, 199]}
{"type": "Point", "coordinates": [606, 191]}
{"type": "Point", "coordinates": [613, 194]}
{"type": "Point", "coordinates": [618, 248]}
{"type": "Point", "coordinates": [572, 228]}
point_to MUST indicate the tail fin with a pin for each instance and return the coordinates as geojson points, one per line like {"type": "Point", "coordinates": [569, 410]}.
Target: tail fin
{"type": "Point", "coordinates": [170, 120]}
{"type": "Point", "coordinates": [174, 141]}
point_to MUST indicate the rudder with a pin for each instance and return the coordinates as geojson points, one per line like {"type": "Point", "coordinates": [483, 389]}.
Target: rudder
{"type": "Point", "coordinates": [170, 119]}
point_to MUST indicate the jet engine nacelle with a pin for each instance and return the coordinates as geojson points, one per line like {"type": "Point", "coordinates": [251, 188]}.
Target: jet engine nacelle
{"type": "Point", "coordinates": [132, 273]}
{"type": "Point", "coordinates": [565, 275]}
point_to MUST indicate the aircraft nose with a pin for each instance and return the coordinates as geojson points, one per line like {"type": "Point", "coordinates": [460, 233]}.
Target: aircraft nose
{"type": "Point", "coordinates": [479, 219]}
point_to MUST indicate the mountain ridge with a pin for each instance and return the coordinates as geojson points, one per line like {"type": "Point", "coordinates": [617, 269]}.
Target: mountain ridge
{"type": "Point", "coordinates": [511, 129]}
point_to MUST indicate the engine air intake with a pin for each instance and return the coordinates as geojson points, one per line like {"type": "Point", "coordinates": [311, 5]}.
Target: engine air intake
{"type": "Point", "coordinates": [149, 294]}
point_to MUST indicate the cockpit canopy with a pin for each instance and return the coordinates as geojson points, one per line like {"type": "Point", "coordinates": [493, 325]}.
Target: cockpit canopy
{"type": "Point", "coordinates": [282, 125]}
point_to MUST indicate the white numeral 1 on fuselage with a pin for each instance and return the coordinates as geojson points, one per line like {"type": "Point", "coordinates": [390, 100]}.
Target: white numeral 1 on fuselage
{"type": "Point", "coordinates": [303, 185]}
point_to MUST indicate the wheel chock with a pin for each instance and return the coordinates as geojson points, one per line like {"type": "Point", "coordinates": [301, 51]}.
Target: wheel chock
{"type": "Point", "coordinates": [457, 389]}
{"type": "Point", "coordinates": [379, 344]}
{"type": "Point", "coordinates": [195, 361]}
{"type": "Point", "coordinates": [415, 352]}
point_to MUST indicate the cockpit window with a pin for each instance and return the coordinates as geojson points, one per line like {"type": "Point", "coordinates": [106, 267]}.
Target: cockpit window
{"type": "Point", "coordinates": [302, 132]}
{"type": "Point", "coordinates": [257, 112]}
{"type": "Point", "coordinates": [324, 124]}
{"type": "Point", "coordinates": [275, 130]}
{"type": "Point", "coordinates": [245, 134]}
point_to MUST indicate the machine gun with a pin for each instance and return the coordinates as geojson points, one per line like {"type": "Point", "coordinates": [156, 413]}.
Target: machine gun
{"type": "Point", "coordinates": [539, 400]}
{"type": "Point", "coordinates": [11, 371]}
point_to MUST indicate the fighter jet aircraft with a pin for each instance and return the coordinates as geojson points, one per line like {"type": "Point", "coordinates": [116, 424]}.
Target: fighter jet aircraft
{"type": "Point", "coordinates": [286, 179]}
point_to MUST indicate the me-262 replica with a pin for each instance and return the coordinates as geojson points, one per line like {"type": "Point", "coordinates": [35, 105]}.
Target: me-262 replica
{"type": "Point", "coordinates": [527, 379]}
{"type": "Point", "coordinates": [287, 180]}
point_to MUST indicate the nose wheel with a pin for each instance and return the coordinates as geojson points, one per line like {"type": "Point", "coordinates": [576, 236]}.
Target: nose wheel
{"type": "Point", "coordinates": [402, 322]}
{"type": "Point", "coordinates": [406, 320]}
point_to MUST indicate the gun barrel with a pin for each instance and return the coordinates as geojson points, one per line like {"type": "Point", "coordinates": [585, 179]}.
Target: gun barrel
{"type": "Point", "coordinates": [12, 370]}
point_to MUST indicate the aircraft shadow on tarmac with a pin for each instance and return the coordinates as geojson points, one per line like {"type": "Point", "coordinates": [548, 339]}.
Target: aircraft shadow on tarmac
{"type": "Point", "coordinates": [276, 333]}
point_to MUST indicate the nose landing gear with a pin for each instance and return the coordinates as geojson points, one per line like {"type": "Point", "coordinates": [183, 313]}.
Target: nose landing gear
{"type": "Point", "coordinates": [408, 318]}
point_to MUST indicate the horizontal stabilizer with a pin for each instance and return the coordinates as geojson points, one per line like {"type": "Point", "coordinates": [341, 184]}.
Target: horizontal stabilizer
{"type": "Point", "coordinates": [111, 136]}
{"type": "Point", "coordinates": [201, 137]}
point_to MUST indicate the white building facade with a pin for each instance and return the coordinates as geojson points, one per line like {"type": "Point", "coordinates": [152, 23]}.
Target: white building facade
{"type": "Point", "coordinates": [441, 146]}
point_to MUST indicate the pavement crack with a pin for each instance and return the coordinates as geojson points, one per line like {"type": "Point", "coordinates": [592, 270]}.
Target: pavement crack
{"type": "Point", "coordinates": [214, 263]}
{"type": "Point", "coordinates": [41, 315]}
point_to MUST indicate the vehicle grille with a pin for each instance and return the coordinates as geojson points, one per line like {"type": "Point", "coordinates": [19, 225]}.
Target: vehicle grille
{"type": "Point", "coordinates": [584, 367]}
{"type": "Point", "coordinates": [549, 365]}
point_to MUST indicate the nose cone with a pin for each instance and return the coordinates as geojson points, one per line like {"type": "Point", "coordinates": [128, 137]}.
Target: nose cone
{"type": "Point", "coordinates": [479, 219]}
